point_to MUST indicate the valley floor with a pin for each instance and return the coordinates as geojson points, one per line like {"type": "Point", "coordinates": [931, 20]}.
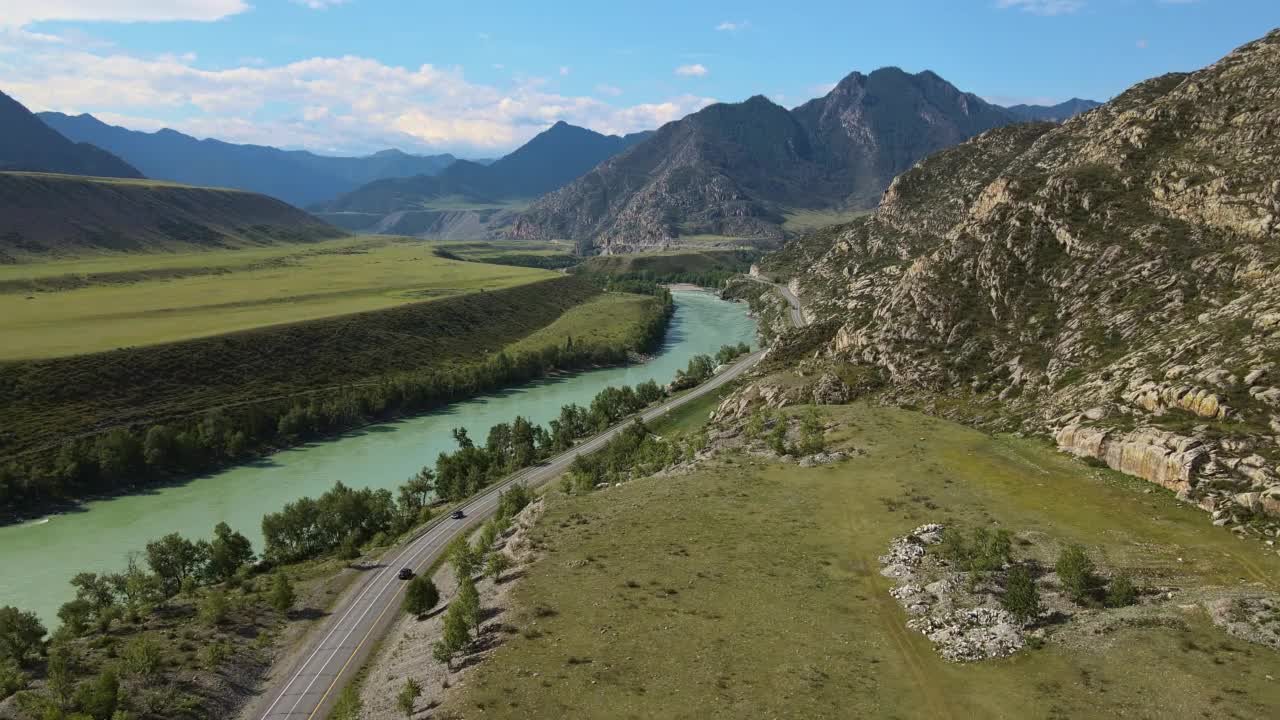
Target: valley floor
{"type": "Point", "coordinates": [102, 303]}
{"type": "Point", "coordinates": [750, 588]}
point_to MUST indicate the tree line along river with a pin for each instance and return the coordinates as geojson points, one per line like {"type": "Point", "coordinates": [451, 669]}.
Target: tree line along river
{"type": "Point", "coordinates": [39, 557]}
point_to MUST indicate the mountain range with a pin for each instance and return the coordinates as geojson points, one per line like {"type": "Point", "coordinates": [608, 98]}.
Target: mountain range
{"type": "Point", "coordinates": [736, 170]}
{"type": "Point", "coordinates": [469, 197]}
{"type": "Point", "coordinates": [28, 144]}
{"type": "Point", "coordinates": [295, 176]}
{"type": "Point", "coordinates": [65, 199]}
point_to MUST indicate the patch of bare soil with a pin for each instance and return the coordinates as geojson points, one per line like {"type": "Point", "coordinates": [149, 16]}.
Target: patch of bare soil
{"type": "Point", "coordinates": [406, 650]}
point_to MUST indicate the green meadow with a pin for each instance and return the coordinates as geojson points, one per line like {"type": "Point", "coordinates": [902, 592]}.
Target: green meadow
{"type": "Point", "coordinates": [750, 588]}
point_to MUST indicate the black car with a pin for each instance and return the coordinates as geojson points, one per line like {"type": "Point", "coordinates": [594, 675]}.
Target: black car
{"type": "Point", "coordinates": [458, 515]}
{"type": "Point", "coordinates": [406, 573]}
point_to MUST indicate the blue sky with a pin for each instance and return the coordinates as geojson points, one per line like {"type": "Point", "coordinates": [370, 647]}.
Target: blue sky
{"type": "Point", "coordinates": [479, 78]}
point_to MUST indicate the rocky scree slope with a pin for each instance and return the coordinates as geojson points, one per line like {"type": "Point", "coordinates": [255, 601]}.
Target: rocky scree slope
{"type": "Point", "coordinates": [1112, 282]}
{"type": "Point", "coordinates": [733, 169]}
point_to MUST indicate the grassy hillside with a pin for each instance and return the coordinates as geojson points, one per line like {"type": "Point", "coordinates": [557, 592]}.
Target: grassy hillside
{"type": "Point", "coordinates": [750, 588]}
{"type": "Point", "coordinates": [74, 307]}
{"type": "Point", "coordinates": [45, 215]}
{"type": "Point", "coordinates": [609, 320]}
{"type": "Point", "coordinates": [547, 255]}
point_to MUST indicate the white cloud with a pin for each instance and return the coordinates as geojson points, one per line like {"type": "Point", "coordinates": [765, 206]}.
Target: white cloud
{"type": "Point", "coordinates": [695, 70]}
{"type": "Point", "coordinates": [733, 26]}
{"type": "Point", "coordinates": [340, 104]}
{"type": "Point", "coordinates": [564, 70]}
{"type": "Point", "coordinates": [1043, 7]}
{"type": "Point", "coordinates": [609, 90]}
{"type": "Point", "coordinates": [18, 13]}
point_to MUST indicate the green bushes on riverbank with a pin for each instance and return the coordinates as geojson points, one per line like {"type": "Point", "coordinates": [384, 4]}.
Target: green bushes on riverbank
{"type": "Point", "coordinates": [451, 358]}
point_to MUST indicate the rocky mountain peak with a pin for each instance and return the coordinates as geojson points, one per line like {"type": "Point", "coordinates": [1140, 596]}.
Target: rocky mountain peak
{"type": "Point", "coordinates": [734, 169]}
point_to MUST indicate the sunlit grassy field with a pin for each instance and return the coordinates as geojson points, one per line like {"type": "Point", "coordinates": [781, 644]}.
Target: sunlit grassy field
{"type": "Point", "coordinates": [605, 320]}
{"type": "Point", "coordinates": [750, 589]}
{"type": "Point", "coordinates": [71, 307]}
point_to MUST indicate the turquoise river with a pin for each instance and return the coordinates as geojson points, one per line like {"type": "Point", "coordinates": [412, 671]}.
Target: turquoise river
{"type": "Point", "coordinates": [39, 557]}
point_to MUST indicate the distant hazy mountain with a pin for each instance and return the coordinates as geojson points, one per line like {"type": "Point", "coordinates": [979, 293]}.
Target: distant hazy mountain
{"type": "Point", "coordinates": [296, 176]}
{"type": "Point", "coordinates": [1053, 113]}
{"type": "Point", "coordinates": [733, 169]}
{"type": "Point", "coordinates": [28, 144]}
{"type": "Point", "coordinates": [414, 205]}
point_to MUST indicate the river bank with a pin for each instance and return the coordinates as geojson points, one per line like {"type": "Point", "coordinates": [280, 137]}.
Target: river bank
{"type": "Point", "coordinates": [41, 558]}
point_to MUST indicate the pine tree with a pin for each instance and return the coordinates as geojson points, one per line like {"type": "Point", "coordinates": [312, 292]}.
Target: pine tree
{"type": "Point", "coordinates": [468, 602]}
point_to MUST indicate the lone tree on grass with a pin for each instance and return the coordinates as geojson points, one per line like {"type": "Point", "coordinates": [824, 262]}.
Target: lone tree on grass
{"type": "Point", "coordinates": [1021, 597]}
{"type": "Point", "coordinates": [420, 596]}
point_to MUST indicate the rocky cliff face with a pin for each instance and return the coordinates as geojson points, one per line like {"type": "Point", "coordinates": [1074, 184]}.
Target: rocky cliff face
{"type": "Point", "coordinates": [1112, 281]}
{"type": "Point", "coordinates": [733, 169]}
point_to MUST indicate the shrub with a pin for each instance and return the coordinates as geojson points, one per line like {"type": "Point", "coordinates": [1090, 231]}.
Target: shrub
{"type": "Point", "coordinates": [348, 706]}
{"type": "Point", "coordinates": [420, 596]}
{"type": "Point", "coordinates": [409, 695]}
{"type": "Point", "coordinates": [811, 434]}
{"type": "Point", "coordinates": [1121, 592]}
{"type": "Point", "coordinates": [214, 654]}
{"type": "Point", "coordinates": [214, 608]}
{"type": "Point", "coordinates": [21, 635]}
{"type": "Point", "coordinates": [282, 595]}
{"type": "Point", "coordinates": [1076, 573]}
{"type": "Point", "coordinates": [98, 698]}
{"type": "Point", "coordinates": [12, 679]}
{"type": "Point", "coordinates": [1021, 597]}
{"type": "Point", "coordinates": [142, 657]}
{"type": "Point", "coordinates": [982, 551]}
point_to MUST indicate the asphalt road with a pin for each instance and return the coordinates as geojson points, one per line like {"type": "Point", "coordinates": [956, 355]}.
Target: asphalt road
{"type": "Point", "coordinates": [335, 651]}
{"type": "Point", "coordinates": [798, 318]}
